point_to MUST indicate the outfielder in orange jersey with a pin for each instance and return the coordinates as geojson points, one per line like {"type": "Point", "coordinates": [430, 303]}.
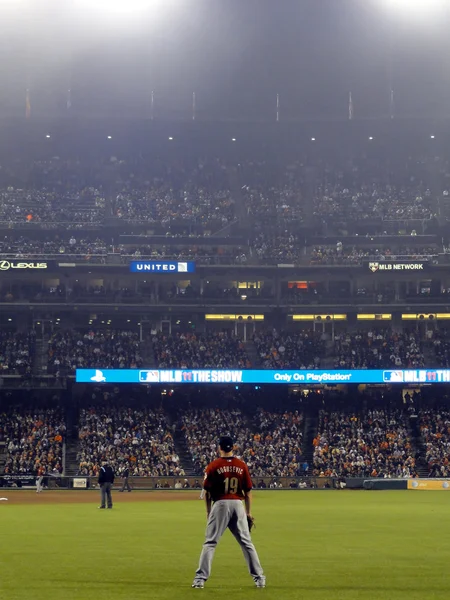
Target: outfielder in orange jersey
{"type": "Point", "coordinates": [227, 483]}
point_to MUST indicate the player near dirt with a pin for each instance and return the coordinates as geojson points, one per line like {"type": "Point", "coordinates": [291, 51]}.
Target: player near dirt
{"type": "Point", "coordinates": [227, 482]}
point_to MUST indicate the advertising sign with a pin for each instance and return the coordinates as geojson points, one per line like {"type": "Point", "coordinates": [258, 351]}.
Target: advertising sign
{"type": "Point", "coordinates": [442, 485]}
{"type": "Point", "coordinates": [161, 266]}
{"type": "Point", "coordinates": [8, 265]}
{"type": "Point", "coordinates": [221, 376]}
{"type": "Point", "coordinates": [396, 267]}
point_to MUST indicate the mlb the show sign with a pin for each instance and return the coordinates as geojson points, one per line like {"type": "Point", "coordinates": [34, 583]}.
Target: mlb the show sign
{"type": "Point", "coordinates": [161, 266]}
{"type": "Point", "coordinates": [376, 267]}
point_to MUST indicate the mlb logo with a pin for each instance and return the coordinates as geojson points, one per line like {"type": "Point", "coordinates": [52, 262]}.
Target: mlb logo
{"type": "Point", "coordinates": [374, 266]}
{"type": "Point", "coordinates": [393, 376]}
{"type": "Point", "coordinates": [149, 376]}
{"type": "Point", "coordinates": [182, 267]}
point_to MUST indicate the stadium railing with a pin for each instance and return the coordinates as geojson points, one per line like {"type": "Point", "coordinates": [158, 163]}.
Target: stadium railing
{"type": "Point", "coordinates": [82, 482]}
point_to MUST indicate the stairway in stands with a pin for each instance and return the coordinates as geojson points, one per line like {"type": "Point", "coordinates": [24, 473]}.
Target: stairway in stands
{"type": "Point", "coordinates": [252, 354]}
{"type": "Point", "coordinates": [148, 355]}
{"type": "Point", "coordinates": [71, 458]}
{"type": "Point", "coordinates": [179, 442]}
{"type": "Point", "coordinates": [419, 446]}
{"type": "Point", "coordinates": [2, 457]}
{"type": "Point", "coordinates": [182, 450]}
{"type": "Point", "coordinates": [309, 433]}
{"type": "Point", "coordinates": [39, 366]}
{"type": "Point", "coordinates": [72, 416]}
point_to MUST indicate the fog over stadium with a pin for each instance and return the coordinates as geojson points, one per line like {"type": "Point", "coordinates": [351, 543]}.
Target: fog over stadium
{"type": "Point", "coordinates": [224, 293]}
{"type": "Point", "coordinates": [236, 57]}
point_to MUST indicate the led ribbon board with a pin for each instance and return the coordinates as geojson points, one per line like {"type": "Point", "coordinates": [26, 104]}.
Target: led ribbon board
{"type": "Point", "coordinates": [260, 376]}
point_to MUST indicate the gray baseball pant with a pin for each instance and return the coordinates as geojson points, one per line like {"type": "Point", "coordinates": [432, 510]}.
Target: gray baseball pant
{"type": "Point", "coordinates": [105, 489]}
{"type": "Point", "coordinates": [228, 514]}
{"type": "Point", "coordinates": [126, 485]}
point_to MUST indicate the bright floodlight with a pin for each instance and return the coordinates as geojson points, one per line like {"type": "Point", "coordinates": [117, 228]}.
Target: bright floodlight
{"type": "Point", "coordinates": [109, 137]}
{"type": "Point", "coordinates": [370, 138]}
{"type": "Point", "coordinates": [432, 137]}
{"type": "Point", "coordinates": [118, 6]}
{"type": "Point", "coordinates": [313, 139]}
{"type": "Point", "coordinates": [406, 9]}
{"type": "Point", "coordinates": [233, 139]}
{"type": "Point", "coordinates": [170, 139]}
{"type": "Point", "coordinates": [47, 136]}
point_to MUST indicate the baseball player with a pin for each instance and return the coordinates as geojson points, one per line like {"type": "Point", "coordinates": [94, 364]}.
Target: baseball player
{"type": "Point", "coordinates": [227, 482]}
{"type": "Point", "coordinates": [40, 480]}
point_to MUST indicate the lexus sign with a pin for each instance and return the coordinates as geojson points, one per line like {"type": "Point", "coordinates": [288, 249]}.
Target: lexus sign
{"type": "Point", "coordinates": [6, 265]}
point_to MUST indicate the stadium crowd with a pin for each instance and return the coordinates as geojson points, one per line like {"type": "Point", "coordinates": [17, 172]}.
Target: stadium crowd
{"type": "Point", "coordinates": [376, 349]}
{"type": "Point", "coordinates": [33, 441]}
{"type": "Point", "coordinates": [290, 350]}
{"type": "Point", "coordinates": [140, 440]}
{"type": "Point", "coordinates": [68, 208]}
{"type": "Point", "coordinates": [191, 350]}
{"type": "Point", "coordinates": [270, 443]}
{"type": "Point", "coordinates": [16, 352]}
{"type": "Point", "coordinates": [374, 444]}
{"type": "Point", "coordinates": [72, 349]}
{"type": "Point", "coordinates": [341, 255]}
{"type": "Point", "coordinates": [435, 431]}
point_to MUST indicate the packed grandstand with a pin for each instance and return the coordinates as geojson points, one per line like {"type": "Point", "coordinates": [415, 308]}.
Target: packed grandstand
{"type": "Point", "coordinates": [298, 264]}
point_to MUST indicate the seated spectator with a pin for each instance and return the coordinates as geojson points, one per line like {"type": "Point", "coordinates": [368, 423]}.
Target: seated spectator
{"type": "Point", "coordinates": [138, 439]}
{"type": "Point", "coordinates": [16, 352]}
{"type": "Point", "coordinates": [34, 440]}
{"type": "Point", "coordinates": [376, 444]}
{"type": "Point", "coordinates": [378, 349]}
{"type": "Point", "coordinates": [285, 350]}
{"type": "Point", "coordinates": [271, 444]}
{"type": "Point", "coordinates": [435, 430]}
{"type": "Point", "coordinates": [70, 349]}
{"type": "Point", "coordinates": [190, 350]}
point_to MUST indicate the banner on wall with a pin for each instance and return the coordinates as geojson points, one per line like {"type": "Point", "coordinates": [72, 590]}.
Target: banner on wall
{"type": "Point", "coordinates": [397, 267]}
{"type": "Point", "coordinates": [260, 376]}
{"type": "Point", "coordinates": [80, 482]}
{"type": "Point", "coordinates": [442, 485]}
{"type": "Point", "coordinates": [161, 266]}
{"type": "Point", "coordinates": [22, 265]}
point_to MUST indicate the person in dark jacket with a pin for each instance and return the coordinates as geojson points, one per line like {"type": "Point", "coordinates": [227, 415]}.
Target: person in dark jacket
{"type": "Point", "coordinates": [105, 481]}
{"type": "Point", "coordinates": [126, 475]}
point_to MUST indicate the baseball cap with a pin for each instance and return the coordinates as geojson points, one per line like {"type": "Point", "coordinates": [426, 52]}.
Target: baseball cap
{"type": "Point", "coordinates": [226, 443]}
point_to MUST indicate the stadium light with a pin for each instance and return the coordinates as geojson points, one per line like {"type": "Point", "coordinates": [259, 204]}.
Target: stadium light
{"type": "Point", "coordinates": [170, 139]}
{"type": "Point", "coordinates": [313, 139]}
{"type": "Point", "coordinates": [48, 136]}
{"type": "Point", "coordinates": [119, 6]}
{"type": "Point", "coordinates": [370, 138]}
{"type": "Point", "coordinates": [109, 137]}
{"type": "Point", "coordinates": [432, 137]}
{"type": "Point", "coordinates": [233, 139]}
{"type": "Point", "coordinates": [416, 9]}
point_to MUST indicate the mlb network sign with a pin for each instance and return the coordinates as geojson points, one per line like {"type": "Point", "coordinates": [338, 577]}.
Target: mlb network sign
{"type": "Point", "coordinates": [260, 376]}
{"type": "Point", "coordinates": [161, 266]}
{"type": "Point", "coordinates": [396, 266]}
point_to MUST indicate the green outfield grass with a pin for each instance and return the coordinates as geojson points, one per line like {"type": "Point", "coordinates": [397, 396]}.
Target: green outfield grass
{"type": "Point", "coordinates": [312, 544]}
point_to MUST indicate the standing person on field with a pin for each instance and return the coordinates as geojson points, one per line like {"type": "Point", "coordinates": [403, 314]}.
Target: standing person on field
{"type": "Point", "coordinates": [105, 481]}
{"type": "Point", "coordinates": [227, 482]}
{"type": "Point", "coordinates": [39, 480]}
{"type": "Point", "coordinates": [126, 485]}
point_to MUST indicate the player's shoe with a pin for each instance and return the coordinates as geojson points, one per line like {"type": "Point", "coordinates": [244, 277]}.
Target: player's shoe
{"type": "Point", "coordinates": [102, 507]}
{"type": "Point", "coordinates": [198, 583]}
{"type": "Point", "coordinates": [260, 582]}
